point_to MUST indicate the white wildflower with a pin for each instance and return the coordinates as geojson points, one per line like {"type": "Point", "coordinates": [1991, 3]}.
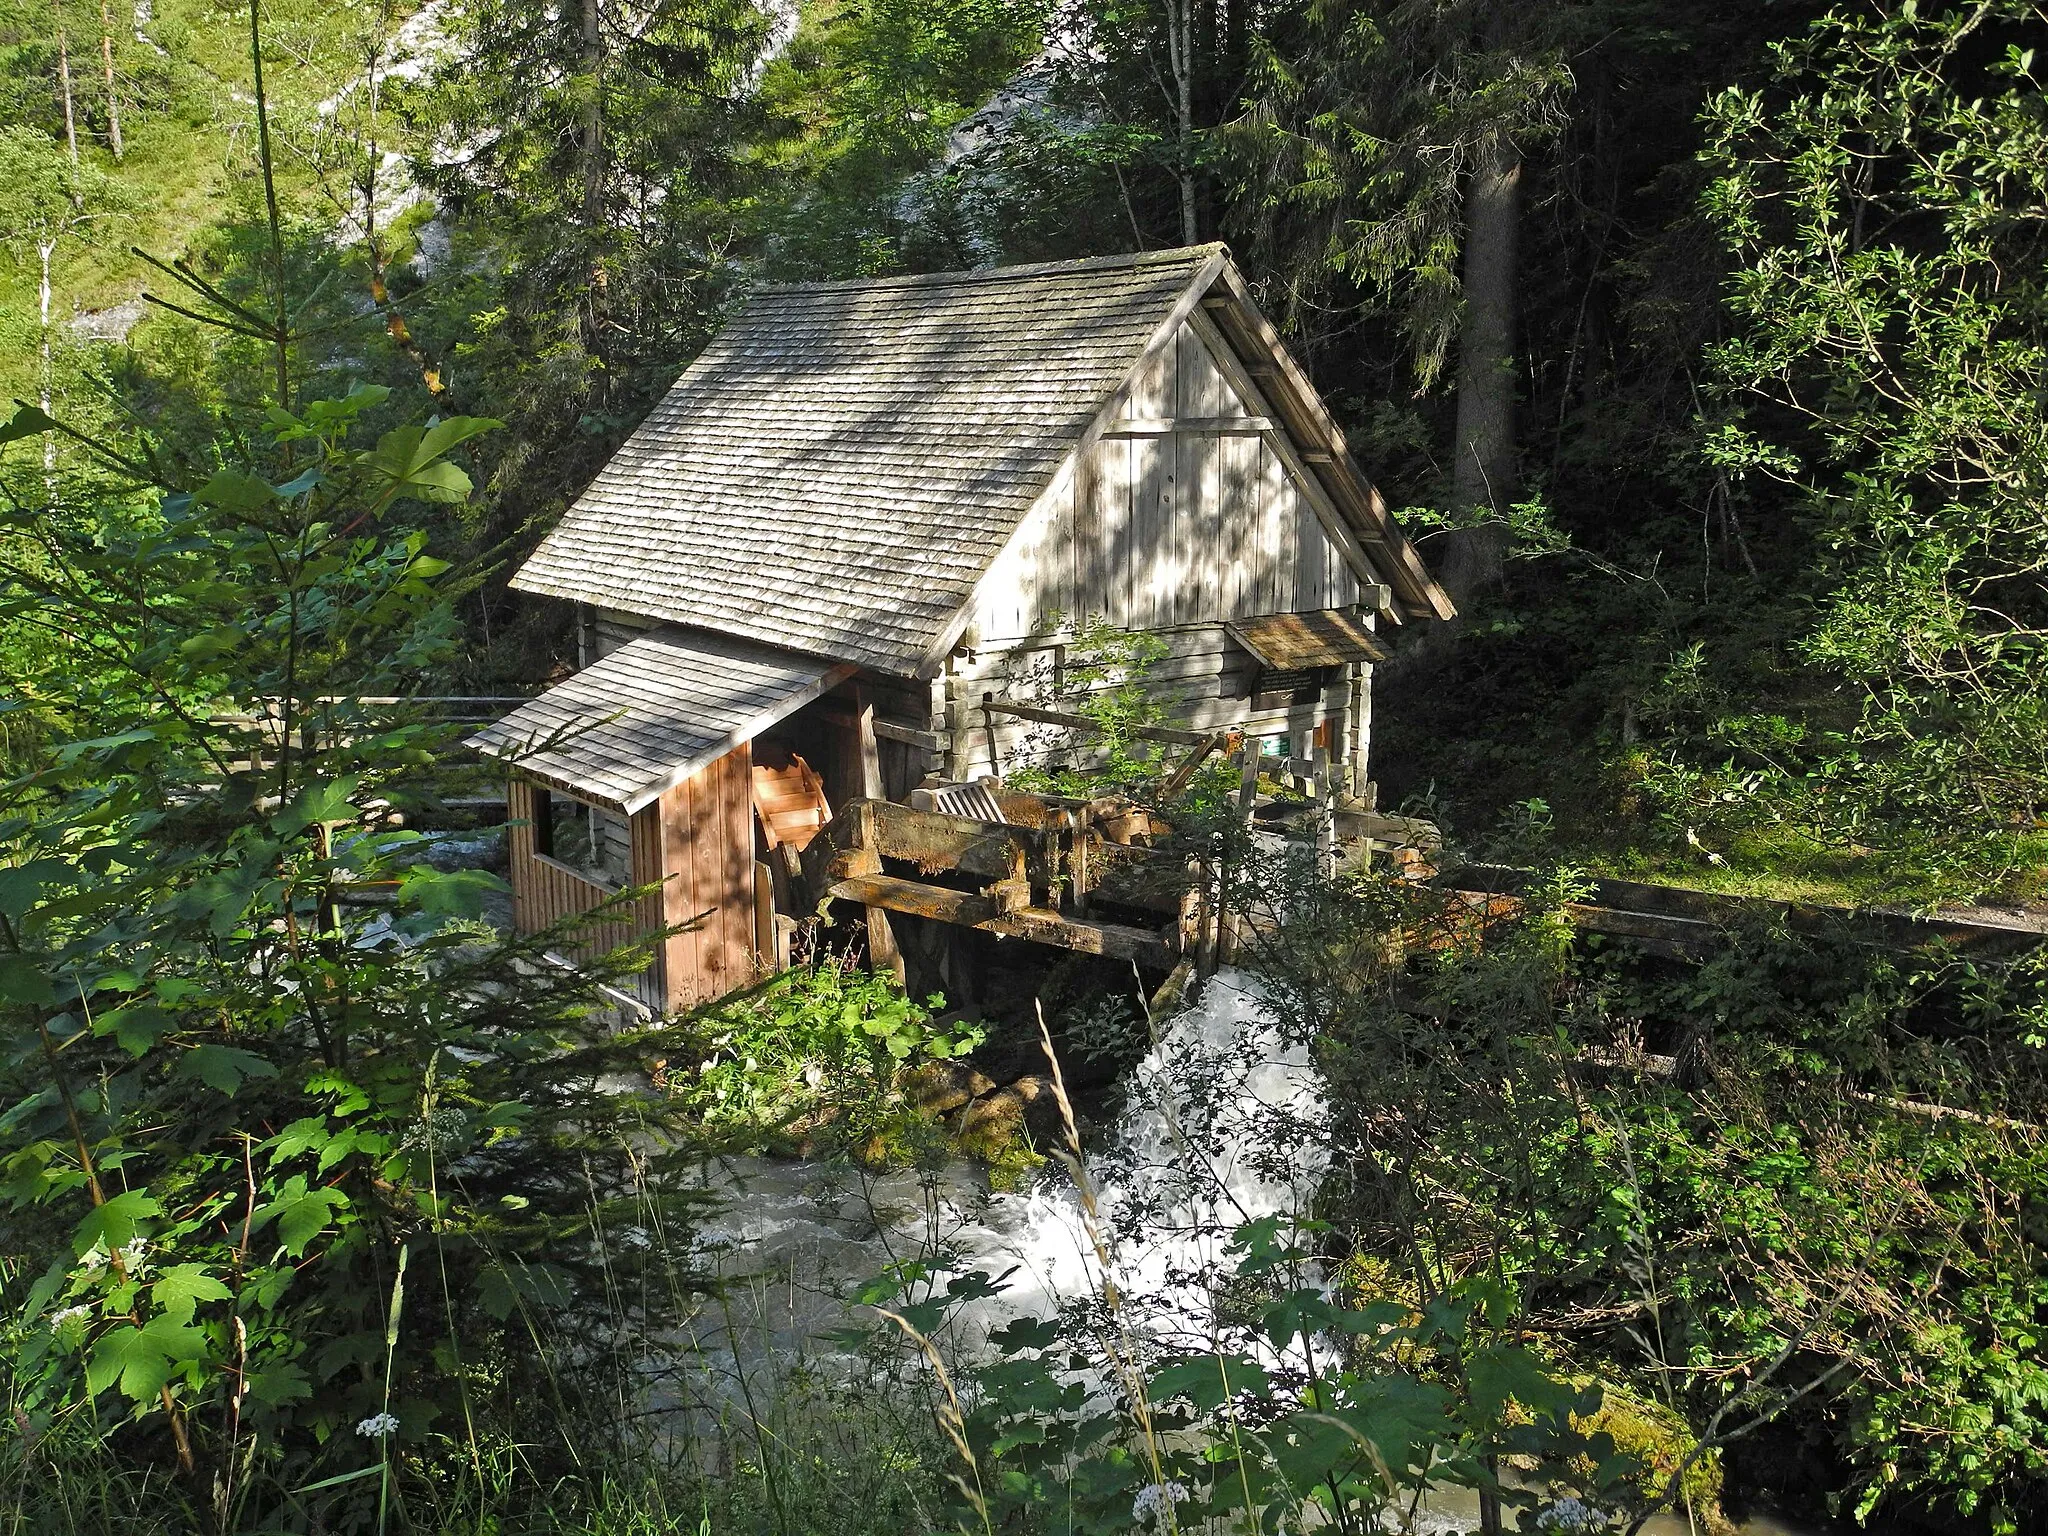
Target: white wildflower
{"type": "Point", "coordinates": [68, 1315]}
{"type": "Point", "coordinates": [1155, 1499]}
{"type": "Point", "coordinates": [377, 1426]}
{"type": "Point", "coordinates": [135, 1255]}
{"type": "Point", "coordinates": [1572, 1517]}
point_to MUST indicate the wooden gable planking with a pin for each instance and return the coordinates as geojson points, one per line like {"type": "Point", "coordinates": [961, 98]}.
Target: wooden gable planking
{"type": "Point", "coordinates": [1165, 528]}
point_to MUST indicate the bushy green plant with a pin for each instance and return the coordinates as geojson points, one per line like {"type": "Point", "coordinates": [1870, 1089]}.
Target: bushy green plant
{"type": "Point", "coordinates": [1884, 204]}
{"type": "Point", "coordinates": [815, 1052]}
{"type": "Point", "coordinates": [1311, 1409]}
{"type": "Point", "coordinates": [1768, 1157]}
{"type": "Point", "coordinates": [287, 1174]}
{"type": "Point", "coordinates": [1106, 682]}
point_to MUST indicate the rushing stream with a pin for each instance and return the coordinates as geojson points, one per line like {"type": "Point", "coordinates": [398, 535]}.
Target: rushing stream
{"type": "Point", "coordinates": [1209, 1137]}
{"type": "Point", "coordinates": [1215, 1130]}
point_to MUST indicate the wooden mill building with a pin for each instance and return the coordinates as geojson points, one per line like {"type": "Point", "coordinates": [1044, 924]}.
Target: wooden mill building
{"type": "Point", "coordinates": [843, 564]}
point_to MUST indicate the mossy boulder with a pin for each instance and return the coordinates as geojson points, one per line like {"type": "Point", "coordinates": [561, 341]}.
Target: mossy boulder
{"type": "Point", "coordinates": [940, 1087]}
{"type": "Point", "coordinates": [1658, 1439]}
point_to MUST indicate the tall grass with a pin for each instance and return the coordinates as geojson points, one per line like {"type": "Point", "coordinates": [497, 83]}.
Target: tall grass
{"type": "Point", "coordinates": [730, 1429]}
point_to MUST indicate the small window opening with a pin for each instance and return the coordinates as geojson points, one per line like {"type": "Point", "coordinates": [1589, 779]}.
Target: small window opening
{"type": "Point", "coordinates": [596, 844]}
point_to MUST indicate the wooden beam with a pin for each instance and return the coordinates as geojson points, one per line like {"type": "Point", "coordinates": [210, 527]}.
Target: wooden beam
{"type": "Point", "coordinates": [893, 893]}
{"type": "Point", "coordinates": [933, 841]}
{"type": "Point", "coordinates": [1037, 925]}
{"type": "Point", "coordinates": [929, 741]}
{"type": "Point", "coordinates": [1115, 941]}
{"type": "Point", "coordinates": [1186, 770]}
{"type": "Point", "coordinates": [1166, 426]}
{"type": "Point", "coordinates": [870, 753]}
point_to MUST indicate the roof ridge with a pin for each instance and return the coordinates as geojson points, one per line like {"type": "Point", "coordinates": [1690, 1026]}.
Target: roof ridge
{"type": "Point", "coordinates": [1186, 254]}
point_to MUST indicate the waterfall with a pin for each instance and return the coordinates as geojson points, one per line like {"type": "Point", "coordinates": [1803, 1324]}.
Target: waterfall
{"type": "Point", "coordinates": [1213, 1134]}
{"type": "Point", "coordinates": [1214, 1131]}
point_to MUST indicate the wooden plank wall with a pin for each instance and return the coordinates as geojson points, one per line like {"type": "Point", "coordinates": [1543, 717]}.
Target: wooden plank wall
{"type": "Point", "coordinates": [1170, 529]}
{"type": "Point", "coordinates": [1204, 682]}
{"type": "Point", "coordinates": [544, 892]}
{"type": "Point", "coordinates": [706, 851]}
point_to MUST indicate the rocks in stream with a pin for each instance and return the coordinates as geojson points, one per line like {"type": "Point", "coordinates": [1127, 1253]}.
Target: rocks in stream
{"type": "Point", "coordinates": [940, 1087]}
{"type": "Point", "coordinates": [987, 1122]}
{"type": "Point", "coordinates": [1006, 1120]}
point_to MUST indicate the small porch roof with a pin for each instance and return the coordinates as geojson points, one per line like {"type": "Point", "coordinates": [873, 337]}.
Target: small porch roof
{"type": "Point", "coordinates": [1289, 642]}
{"type": "Point", "coordinates": [644, 718]}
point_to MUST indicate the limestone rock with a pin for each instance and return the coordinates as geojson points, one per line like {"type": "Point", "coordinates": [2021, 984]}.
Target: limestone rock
{"type": "Point", "coordinates": [940, 1087]}
{"type": "Point", "coordinates": [991, 1125]}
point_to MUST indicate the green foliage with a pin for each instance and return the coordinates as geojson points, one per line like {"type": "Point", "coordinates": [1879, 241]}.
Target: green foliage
{"type": "Point", "coordinates": [1311, 1410]}
{"type": "Point", "coordinates": [239, 1105]}
{"type": "Point", "coordinates": [1364, 123]}
{"type": "Point", "coordinates": [1884, 204]}
{"type": "Point", "coordinates": [815, 1054]}
{"type": "Point", "coordinates": [1727, 1185]}
{"type": "Point", "coordinates": [1107, 682]}
{"type": "Point", "coordinates": [862, 102]}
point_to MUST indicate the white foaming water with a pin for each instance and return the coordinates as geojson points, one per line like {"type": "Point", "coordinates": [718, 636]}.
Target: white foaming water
{"type": "Point", "coordinates": [1213, 1133]}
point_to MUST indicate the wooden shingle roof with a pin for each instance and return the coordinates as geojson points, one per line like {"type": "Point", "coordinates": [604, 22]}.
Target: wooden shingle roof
{"type": "Point", "coordinates": [651, 713]}
{"type": "Point", "coordinates": [844, 461]}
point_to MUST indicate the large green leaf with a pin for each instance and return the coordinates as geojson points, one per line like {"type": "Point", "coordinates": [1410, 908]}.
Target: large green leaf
{"type": "Point", "coordinates": [27, 421]}
{"type": "Point", "coordinates": [137, 1027]}
{"type": "Point", "coordinates": [1208, 1381]}
{"type": "Point", "coordinates": [223, 1067]}
{"type": "Point", "coordinates": [410, 460]}
{"type": "Point", "coordinates": [449, 893]}
{"type": "Point", "coordinates": [142, 1359]}
{"type": "Point", "coordinates": [112, 1225]}
{"type": "Point", "coordinates": [233, 491]}
{"type": "Point", "coordinates": [22, 981]}
{"type": "Point", "coordinates": [327, 801]}
{"type": "Point", "coordinates": [1503, 1373]}
{"type": "Point", "coordinates": [179, 1290]}
{"type": "Point", "coordinates": [22, 885]}
{"type": "Point", "coordinates": [301, 1214]}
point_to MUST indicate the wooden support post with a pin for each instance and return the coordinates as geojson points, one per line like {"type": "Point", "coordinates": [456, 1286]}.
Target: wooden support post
{"type": "Point", "coordinates": [1185, 773]}
{"type": "Point", "coordinates": [1361, 726]}
{"type": "Point", "coordinates": [764, 916]}
{"type": "Point", "coordinates": [954, 767]}
{"type": "Point", "coordinates": [870, 750]}
{"type": "Point", "coordinates": [1325, 814]}
{"type": "Point", "coordinates": [1248, 780]}
{"type": "Point", "coordinates": [988, 723]}
{"type": "Point", "coordinates": [1084, 827]}
{"type": "Point", "coordinates": [883, 951]}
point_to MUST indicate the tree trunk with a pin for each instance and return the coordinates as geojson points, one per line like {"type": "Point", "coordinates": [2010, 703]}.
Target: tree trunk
{"type": "Point", "coordinates": [64, 80]}
{"type": "Point", "coordinates": [593, 115]}
{"type": "Point", "coordinates": [1483, 473]}
{"type": "Point", "coordinates": [1180, 48]}
{"type": "Point", "coordinates": [44, 248]}
{"type": "Point", "coordinates": [113, 96]}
